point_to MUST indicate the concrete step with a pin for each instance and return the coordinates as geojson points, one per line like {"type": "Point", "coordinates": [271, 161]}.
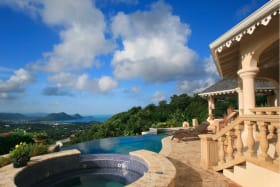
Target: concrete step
{"type": "Point", "coordinates": [229, 172]}
{"type": "Point", "coordinates": [251, 175]}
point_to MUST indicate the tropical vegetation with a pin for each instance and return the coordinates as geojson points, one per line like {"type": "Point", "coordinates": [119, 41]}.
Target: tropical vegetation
{"type": "Point", "coordinates": [137, 119]}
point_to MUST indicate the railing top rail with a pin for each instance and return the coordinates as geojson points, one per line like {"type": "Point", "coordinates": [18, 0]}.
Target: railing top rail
{"type": "Point", "coordinates": [259, 117]}
{"type": "Point", "coordinates": [265, 109]}
{"type": "Point", "coordinates": [231, 126]}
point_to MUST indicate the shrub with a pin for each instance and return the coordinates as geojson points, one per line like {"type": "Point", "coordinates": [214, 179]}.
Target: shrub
{"type": "Point", "coordinates": [8, 141]}
{"type": "Point", "coordinates": [38, 149]}
{"type": "Point", "coordinates": [21, 150]}
{"type": "Point", "coordinates": [40, 135]}
{"type": "Point", "coordinates": [164, 125]}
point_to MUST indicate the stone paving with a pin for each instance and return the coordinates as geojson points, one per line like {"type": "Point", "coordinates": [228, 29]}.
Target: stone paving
{"type": "Point", "coordinates": [185, 155]}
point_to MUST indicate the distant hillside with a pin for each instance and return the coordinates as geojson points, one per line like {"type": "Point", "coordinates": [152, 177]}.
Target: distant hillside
{"type": "Point", "coordinates": [61, 116]}
{"type": "Point", "coordinates": [12, 116]}
{"type": "Point", "coordinates": [50, 117]}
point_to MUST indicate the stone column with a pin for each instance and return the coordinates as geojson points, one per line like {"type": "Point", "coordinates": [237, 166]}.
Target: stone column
{"type": "Point", "coordinates": [240, 96]}
{"type": "Point", "coordinates": [211, 106]}
{"type": "Point", "coordinates": [209, 151]}
{"type": "Point", "coordinates": [277, 95]}
{"type": "Point", "coordinates": [248, 82]}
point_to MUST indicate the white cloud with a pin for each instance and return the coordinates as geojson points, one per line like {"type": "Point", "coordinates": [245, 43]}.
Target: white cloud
{"type": "Point", "coordinates": [83, 82]}
{"type": "Point", "coordinates": [82, 33]}
{"type": "Point", "coordinates": [194, 86]}
{"type": "Point", "coordinates": [210, 67]}
{"type": "Point", "coordinates": [208, 77]}
{"type": "Point", "coordinates": [106, 83]}
{"type": "Point", "coordinates": [158, 96]}
{"type": "Point", "coordinates": [154, 46]}
{"type": "Point", "coordinates": [16, 83]}
{"type": "Point", "coordinates": [82, 29]}
{"type": "Point", "coordinates": [31, 7]}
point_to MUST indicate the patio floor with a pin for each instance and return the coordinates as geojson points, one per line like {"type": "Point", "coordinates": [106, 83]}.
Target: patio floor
{"type": "Point", "coordinates": [185, 155]}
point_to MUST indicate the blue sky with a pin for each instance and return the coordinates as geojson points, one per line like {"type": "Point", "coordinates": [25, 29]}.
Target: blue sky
{"type": "Point", "coordinates": [105, 56]}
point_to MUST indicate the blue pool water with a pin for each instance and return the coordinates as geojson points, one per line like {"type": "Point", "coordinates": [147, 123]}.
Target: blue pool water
{"type": "Point", "coordinates": [121, 145]}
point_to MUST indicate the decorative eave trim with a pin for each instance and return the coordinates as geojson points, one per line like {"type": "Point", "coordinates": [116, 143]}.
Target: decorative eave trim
{"type": "Point", "coordinates": [233, 91]}
{"type": "Point", "coordinates": [262, 16]}
{"type": "Point", "coordinates": [223, 92]}
{"type": "Point", "coordinates": [250, 30]}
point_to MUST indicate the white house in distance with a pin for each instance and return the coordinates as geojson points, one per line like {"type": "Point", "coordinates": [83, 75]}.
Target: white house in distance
{"type": "Point", "coordinates": [247, 150]}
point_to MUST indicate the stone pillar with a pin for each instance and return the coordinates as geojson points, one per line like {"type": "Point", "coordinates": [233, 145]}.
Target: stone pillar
{"type": "Point", "coordinates": [240, 96]}
{"type": "Point", "coordinates": [209, 151]}
{"type": "Point", "coordinates": [277, 95]}
{"type": "Point", "coordinates": [211, 106]}
{"type": "Point", "coordinates": [248, 82]}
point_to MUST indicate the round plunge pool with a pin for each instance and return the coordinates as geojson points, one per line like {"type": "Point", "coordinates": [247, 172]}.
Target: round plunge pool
{"type": "Point", "coordinates": [102, 170]}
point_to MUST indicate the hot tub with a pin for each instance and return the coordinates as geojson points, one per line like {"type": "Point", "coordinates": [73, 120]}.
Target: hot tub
{"type": "Point", "coordinates": [83, 170]}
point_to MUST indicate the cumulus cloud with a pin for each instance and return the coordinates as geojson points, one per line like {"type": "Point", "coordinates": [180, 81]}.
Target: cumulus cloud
{"type": "Point", "coordinates": [158, 96]}
{"type": "Point", "coordinates": [81, 28]}
{"type": "Point", "coordinates": [83, 82]}
{"type": "Point", "coordinates": [15, 84]}
{"type": "Point", "coordinates": [31, 7]}
{"type": "Point", "coordinates": [208, 77]}
{"type": "Point", "coordinates": [82, 35]}
{"type": "Point", "coordinates": [106, 83]}
{"type": "Point", "coordinates": [154, 45]}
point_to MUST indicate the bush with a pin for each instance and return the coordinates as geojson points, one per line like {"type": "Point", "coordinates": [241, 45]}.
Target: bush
{"type": "Point", "coordinates": [10, 140]}
{"type": "Point", "coordinates": [38, 149]}
{"type": "Point", "coordinates": [21, 150]}
{"type": "Point", "coordinates": [4, 161]}
{"type": "Point", "coordinates": [40, 135]}
{"type": "Point", "coordinates": [164, 125]}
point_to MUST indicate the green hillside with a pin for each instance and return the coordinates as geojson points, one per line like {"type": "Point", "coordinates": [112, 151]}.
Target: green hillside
{"type": "Point", "coordinates": [137, 119]}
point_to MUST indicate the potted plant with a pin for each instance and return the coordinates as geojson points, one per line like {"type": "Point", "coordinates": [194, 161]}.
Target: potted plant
{"type": "Point", "coordinates": [20, 155]}
{"type": "Point", "coordinates": [40, 137]}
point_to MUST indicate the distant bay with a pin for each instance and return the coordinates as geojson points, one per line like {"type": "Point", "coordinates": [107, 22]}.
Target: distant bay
{"type": "Point", "coordinates": [87, 119]}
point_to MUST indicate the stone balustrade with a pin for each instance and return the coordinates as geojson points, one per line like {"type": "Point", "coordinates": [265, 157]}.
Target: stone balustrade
{"type": "Point", "coordinates": [253, 137]}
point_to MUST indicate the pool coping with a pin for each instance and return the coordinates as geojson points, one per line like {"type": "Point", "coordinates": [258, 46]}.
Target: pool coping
{"type": "Point", "coordinates": [8, 173]}
{"type": "Point", "coordinates": [161, 172]}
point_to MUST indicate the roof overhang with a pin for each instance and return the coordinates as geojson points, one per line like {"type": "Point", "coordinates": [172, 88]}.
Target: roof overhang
{"type": "Point", "coordinates": [227, 46]}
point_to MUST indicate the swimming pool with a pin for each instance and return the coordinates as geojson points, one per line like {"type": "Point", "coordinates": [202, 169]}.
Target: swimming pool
{"type": "Point", "coordinates": [121, 145]}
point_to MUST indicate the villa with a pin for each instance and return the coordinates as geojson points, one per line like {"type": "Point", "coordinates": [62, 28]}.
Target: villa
{"type": "Point", "coordinates": [247, 150]}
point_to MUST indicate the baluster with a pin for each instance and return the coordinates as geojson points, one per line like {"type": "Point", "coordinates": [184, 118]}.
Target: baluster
{"type": "Point", "coordinates": [271, 134]}
{"type": "Point", "coordinates": [263, 142]}
{"type": "Point", "coordinates": [229, 147]}
{"type": "Point", "coordinates": [250, 140]}
{"type": "Point", "coordinates": [277, 146]}
{"type": "Point", "coordinates": [239, 143]}
{"type": "Point", "coordinates": [221, 151]}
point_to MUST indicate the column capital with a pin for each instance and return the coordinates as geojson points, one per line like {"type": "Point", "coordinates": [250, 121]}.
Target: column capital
{"type": "Point", "coordinates": [248, 72]}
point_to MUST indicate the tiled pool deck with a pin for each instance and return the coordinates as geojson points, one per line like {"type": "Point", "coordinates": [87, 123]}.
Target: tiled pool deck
{"type": "Point", "coordinates": [185, 156]}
